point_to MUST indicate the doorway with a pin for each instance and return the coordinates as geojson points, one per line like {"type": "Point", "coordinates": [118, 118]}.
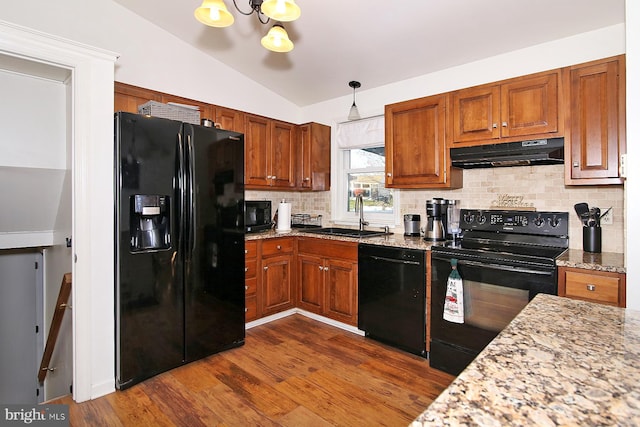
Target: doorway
{"type": "Point", "coordinates": [36, 183]}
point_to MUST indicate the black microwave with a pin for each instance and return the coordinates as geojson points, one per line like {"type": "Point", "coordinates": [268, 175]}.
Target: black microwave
{"type": "Point", "coordinates": [257, 215]}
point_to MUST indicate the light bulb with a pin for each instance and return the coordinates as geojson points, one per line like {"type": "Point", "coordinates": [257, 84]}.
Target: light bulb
{"type": "Point", "coordinates": [214, 14]}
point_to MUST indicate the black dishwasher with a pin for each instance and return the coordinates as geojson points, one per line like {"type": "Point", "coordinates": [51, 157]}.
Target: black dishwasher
{"type": "Point", "coordinates": [391, 296]}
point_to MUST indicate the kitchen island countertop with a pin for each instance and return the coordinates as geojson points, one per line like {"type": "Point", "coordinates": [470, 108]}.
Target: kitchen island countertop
{"type": "Point", "coordinates": [559, 362]}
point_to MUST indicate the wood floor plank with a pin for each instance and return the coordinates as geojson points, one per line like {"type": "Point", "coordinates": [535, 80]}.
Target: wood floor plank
{"type": "Point", "coordinates": [293, 371]}
{"type": "Point", "coordinates": [302, 416]}
{"type": "Point", "coordinates": [134, 408]}
{"type": "Point", "coordinates": [197, 377]}
{"type": "Point", "coordinates": [261, 395]}
{"type": "Point", "coordinates": [233, 409]}
{"type": "Point", "coordinates": [176, 402]}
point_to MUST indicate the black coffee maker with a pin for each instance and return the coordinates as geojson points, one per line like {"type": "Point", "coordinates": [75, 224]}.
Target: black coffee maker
{"type": "Point", "coordinates": [436, 229]}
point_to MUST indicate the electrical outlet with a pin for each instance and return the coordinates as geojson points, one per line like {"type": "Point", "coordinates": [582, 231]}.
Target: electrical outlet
{"type": "Point", "coordinates": [607, 219]}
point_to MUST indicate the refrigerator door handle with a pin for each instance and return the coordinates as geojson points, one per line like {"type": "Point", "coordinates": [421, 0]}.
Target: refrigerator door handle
{"type": "Point", "coordinates": [180, 174]}
{"type": "Point", "coordinates": [191, 204]}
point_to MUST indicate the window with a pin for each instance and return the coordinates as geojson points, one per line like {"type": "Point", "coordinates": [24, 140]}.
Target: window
{"type": "Point", "coordinates": [360, 171]}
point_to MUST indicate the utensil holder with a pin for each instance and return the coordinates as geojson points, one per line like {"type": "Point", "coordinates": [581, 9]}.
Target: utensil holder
{"type": "Point", "coordinates": [592, 239]}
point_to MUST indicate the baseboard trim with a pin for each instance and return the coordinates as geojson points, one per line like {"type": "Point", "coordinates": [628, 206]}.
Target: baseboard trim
{"type": "Point", "coordinates": [283, 314]}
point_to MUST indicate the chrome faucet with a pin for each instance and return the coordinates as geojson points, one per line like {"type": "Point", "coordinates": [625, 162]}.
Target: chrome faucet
{"type": "Point", "coordinates": [360, 205]}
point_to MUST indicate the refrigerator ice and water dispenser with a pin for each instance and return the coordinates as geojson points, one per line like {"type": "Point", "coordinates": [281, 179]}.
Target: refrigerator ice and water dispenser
{"type": "Point", "coordinates": [149, 222]}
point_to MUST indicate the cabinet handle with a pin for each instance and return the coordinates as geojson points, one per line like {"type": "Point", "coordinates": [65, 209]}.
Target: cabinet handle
{"type": "Point", "coordinates": [265, 268]}
{"type": "Point", "coordinates": [307, 179]}
{"type": "Point", "coordinates": [576, 164]}
{"type": "Point", "coordinates": [246, 309]}
{"type": "Point", "coordinates": [273, 177]}
{"type": "Point", "coordinates": [326, 269]}
{"type": "Point", "coordinates": [591, 287]}
{"type": "Point", "coordinates": [278, 247]}
{"type": "Point", "coordinates": [495, 125]}
{"type": "Point", "coordinates": [389, 174]}
{"type": "Point", "coordinates": [320, 267]}
{"type": "Point", "coordinates": [246, 288]}
{"type": "Point", "coordinates": [269, 176]}
{"type": "Point", "coordinates": [246, 269]}
{"type": "Point", "coordinates": [246, 251]}
{"type": "Point", "coordinates": [504, 124]}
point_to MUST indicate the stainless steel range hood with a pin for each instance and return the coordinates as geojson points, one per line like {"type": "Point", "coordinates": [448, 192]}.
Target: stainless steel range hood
{"type": "Point", "coordinates": [525, 153]}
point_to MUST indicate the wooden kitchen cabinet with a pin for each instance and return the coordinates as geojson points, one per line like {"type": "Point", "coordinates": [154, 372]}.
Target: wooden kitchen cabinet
{"type": "Point", "coordinates": [416, 149]}
{"type": "Point", "coordinates": [596, 123]}
{"type": "Point", "coordinates": [127, 97]}
{"type": "Point", "coordinates": [328, 279]}
{"type": "Point", "coordinates": [524, 107]}
{"type": "Point", "coordinates": [269, 153]}
{"type": "Point", "coordinates": [591, 285]}
{"type": "Point", "coordinates": [230, 119]}
{"type": "Point", "coordinates": [314, 157]}
{"type": "Point", "coordinates": [251, 280]}
{"type": "Point", "coordinates": [276, 276]}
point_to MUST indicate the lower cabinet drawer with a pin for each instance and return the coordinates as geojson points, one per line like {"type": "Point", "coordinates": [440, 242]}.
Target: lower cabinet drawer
{"type": "Point", "coordinates": [251, 308]}
{"type": "Point", "coordinates": [250, 286]}
{"type": "Point", "coordinates": [588, 286]}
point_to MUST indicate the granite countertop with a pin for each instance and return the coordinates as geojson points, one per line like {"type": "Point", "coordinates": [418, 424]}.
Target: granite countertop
{"type": "Point", "coordinates": [559, 362]}
{"type": "Point", "coordinates": [612, 262]}
{"type": "Point", "coordinates": [606, 261]}
{"type": "Point", "coordinates": [393, 239]}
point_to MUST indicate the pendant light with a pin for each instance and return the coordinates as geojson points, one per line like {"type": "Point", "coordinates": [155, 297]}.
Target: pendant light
{"type": "Point", "coordinates": [214, 13]}
{"type": "Point", "coordinates": [353, 112]}
{"type": "Point", "coordinates": [281, 10]}
{"type": "Point", "coordinates": [277, 39]}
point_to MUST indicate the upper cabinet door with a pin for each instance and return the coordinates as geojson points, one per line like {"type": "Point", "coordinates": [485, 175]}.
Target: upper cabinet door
{"type": "Point", "coordinates": [476, 114]}
{"type": "Point", "coordinates": [597, 122]}
{"type": "Point", "coordinates": [529, 106]}
{"type": "Point", "coordinates": [314, 157]}
{"type": "Point", "coordinates": [256, 150]}
{"type": "Point", "coordinates": [230, 119]}
{"type": "Point", "coordinates": [521, 108]}
{"type": "Point", "coordinates": [417, 155]}
{"type": "Point", "coordinates": [283, 142]}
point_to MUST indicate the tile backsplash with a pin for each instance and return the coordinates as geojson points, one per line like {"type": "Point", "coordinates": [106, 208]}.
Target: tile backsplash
{"type": "Point", "coordinates": [539, 186]}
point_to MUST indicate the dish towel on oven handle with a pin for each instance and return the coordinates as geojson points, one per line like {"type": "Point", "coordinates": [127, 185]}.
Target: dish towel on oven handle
{"type": "Point", "coordinates": [454, 297]}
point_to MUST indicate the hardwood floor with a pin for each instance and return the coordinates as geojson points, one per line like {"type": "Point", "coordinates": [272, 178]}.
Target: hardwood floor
{"type": "Point", "coordinates": [291, 372]}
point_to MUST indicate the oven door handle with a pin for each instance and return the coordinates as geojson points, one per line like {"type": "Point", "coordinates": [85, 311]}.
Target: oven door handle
{"type": "Point", "coordinates": [393, 260]}
{"type": "Point", "coordinates": [506, 268]}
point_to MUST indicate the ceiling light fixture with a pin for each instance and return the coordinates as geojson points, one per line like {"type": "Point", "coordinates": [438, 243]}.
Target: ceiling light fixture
{"type": "Point", "coordinates": [214, 13]}
{"type": "Point", "coordinates": [353, 112]}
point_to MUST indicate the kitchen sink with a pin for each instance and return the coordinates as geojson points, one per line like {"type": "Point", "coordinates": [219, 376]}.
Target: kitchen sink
{"type": "Point", "coordinates": [346, 232]}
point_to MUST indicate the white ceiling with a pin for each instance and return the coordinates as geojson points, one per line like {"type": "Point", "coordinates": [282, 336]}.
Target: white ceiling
{"type": "Point", "coordinates": [376, 42]}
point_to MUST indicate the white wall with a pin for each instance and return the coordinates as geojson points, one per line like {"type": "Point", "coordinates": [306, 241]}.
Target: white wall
{"type": "Point", "coordinates": [34, 166]}
{"type": "Point", "coordinates": [148, 55]}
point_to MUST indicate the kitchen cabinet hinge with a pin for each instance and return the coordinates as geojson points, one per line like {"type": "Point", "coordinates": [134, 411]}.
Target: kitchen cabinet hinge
{"type": "Point", "coordinates": [37, 392]}
{"type": "Point", "coordinates": [36, 265]}
{"type": "Point", "coordinates": [37, 329]}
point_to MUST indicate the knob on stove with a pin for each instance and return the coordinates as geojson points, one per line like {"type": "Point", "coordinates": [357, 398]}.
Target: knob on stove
{"type": "Point", "coordinates": [538, 221]}
{"type": "Point", "coordinates": [468, 218]}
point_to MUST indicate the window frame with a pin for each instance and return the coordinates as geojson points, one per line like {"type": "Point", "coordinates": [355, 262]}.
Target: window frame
{"type": "Point", "coordinates": [340, 214]}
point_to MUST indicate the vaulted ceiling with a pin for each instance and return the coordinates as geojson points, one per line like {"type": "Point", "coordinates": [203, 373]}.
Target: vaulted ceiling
{"type": "Point", "coordinates": [376, 42]}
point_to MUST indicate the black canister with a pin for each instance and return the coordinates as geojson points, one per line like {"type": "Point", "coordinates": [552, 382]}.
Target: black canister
{"type": "Point", "coordinates": [592, 239]}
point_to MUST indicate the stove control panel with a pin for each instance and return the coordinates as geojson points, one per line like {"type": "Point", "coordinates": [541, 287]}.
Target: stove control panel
{"type": "Point", "coordinates": [522, 222]}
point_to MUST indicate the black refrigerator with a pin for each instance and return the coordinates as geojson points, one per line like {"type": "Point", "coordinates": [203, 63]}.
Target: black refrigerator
{"type": "Point", "coordinates": [179, 214]}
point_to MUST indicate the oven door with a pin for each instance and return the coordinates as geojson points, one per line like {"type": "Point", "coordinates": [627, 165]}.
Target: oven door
{"type": "Point", "coordinates": [493, 294]}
